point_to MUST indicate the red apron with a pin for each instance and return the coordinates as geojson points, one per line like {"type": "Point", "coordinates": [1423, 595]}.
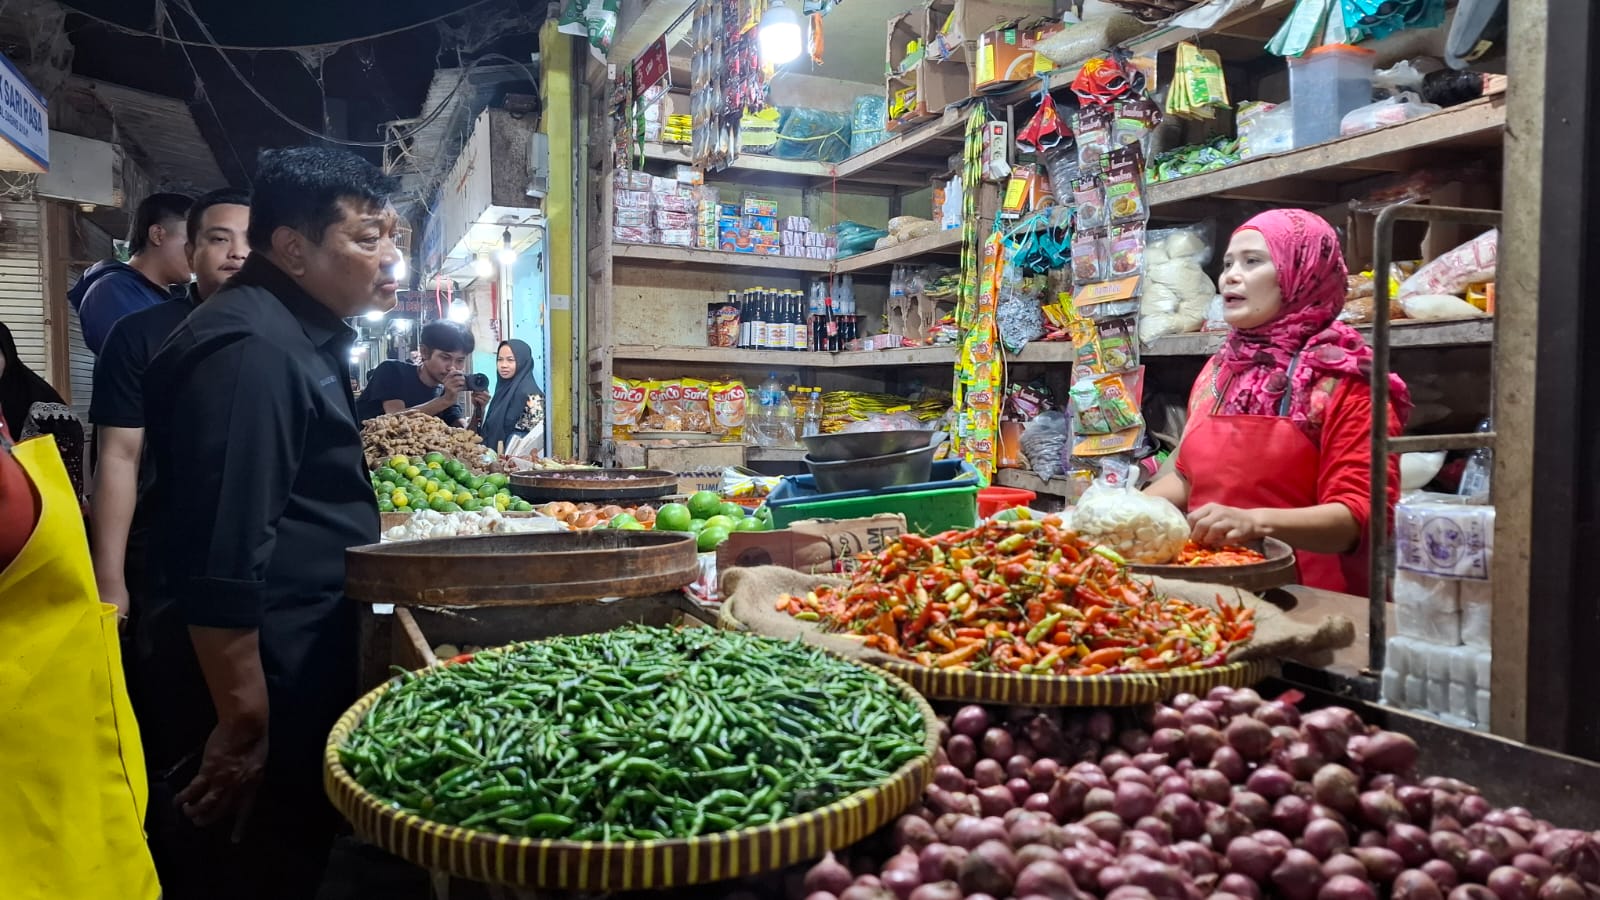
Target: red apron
{"type": "Point", "coordinates": [1264, 462]}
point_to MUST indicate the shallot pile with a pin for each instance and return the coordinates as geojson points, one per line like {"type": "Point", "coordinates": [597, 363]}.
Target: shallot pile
{"type": "Point", "coordinates": [1230, 797]}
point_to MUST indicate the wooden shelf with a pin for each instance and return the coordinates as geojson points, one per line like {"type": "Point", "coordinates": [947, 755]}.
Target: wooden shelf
{"type": "Point", "coordinates": [1402, 333]}
{"type": "Point", "coordinates": [1311, 175]}
{"type": "Point", "coordinates": [714, 259]}
{"type": "Point", "coordinates": [725, 356]}
{"type": "Point", "coordinates": [946, 241]}
{"type": "Point", "coordinates": [904, 356]}
{"type": "Point", "coordinates": [1027, 481]}
{"type": "Point", "coordinates": [678, 153]}
{"type": "Point", "coordinates": [754, 453]}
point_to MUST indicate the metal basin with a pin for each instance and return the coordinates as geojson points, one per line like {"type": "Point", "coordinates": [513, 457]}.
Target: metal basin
{"type": "Point", "coordinates": [908, 467]}
{"type": "Point", "coordinates": [827, 448]}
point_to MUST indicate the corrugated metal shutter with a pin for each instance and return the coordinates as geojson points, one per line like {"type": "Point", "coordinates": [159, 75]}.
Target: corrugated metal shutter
{"type": "Point", "coordinates": [21, 280]}
{"type": "Point", "coordinates": [97, 245]}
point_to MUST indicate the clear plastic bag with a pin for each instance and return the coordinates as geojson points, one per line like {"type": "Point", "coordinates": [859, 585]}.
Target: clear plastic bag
{"type": "Point", "coordinates": [1043, 442]}
{"type": "Point", "coordinates": [1391, 111]}
{"type": "Point", "coordinates": [1142, 528]}
{"type": "Point", "coordinates": [1451, 273]}
{"type": "Point", "coordinates": [868, 118]}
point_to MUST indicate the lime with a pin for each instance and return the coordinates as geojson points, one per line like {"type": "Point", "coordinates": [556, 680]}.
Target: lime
{"type": "Point", "coordinates": [412, 471]}
{"type": "Point", "coordinates": [438, 502]}
{"type": "Point", "coordinates": [472, 504]}
{"type": "Point", "coordinates": [710, 538]}
{"type": "Point", "coordinates": [451, 507]}
{"type": "Point", "coordinates": [486, 491]}
{"type": "Point", "coordinates": [385, 505]}
{"type": "Point", "coordinates": [720, 521]}
{"type": "Point", "coordinates": [431, 487]}
{"type": "Point", "coordinates": [623, 520]}
{"type": "Point", "coordinates": [695, 525]}
{"type": "Point", "coordinates": [399, 462]}
{"type": "Point", "coordinates": [629, 526]}
{"type": "Point", "coordinates": [521, 506]}
{"type": "Point", "coordinates": [705, 504]}
{"type": "Point", "coordinates": [673, 517]}
{"type": "Point", "coordinates": [387, 473]}
{"type": "Point", "coordinates": [499, 479]}
{"type": "Point", "coordinates": [434, 466]}
{"type": "Point", "coordinates": [434, 457]}
{"type": "Point", "coordinates": [399, 498]}
{"type": "Point", "coordinates": [462, 497]}
{"type": "Point", "coordinates": [750, 523]}
{"type": "Point", "coordinates": [732, 510]}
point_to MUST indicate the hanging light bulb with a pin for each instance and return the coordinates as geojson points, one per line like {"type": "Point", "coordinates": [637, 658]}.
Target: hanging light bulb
{"type": "Point", "coordinates": [460, 311]}
{"type": "Point", "coordinates": [402, 325]}
{"type": "Point", "coordinates": [780, 34]}
{"type": "Point", "coordinates": [508, 256]}
{"type": "Point", "coordinates": [483, 268]}
{"type": "Point", "coordinates": [374, 315]}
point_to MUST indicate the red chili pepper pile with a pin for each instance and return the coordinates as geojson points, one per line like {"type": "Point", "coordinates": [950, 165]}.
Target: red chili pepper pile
{"type": "Point", "coordinates": [1025, 596]}
{"type": "Point", "coordinates": [1194, 554]}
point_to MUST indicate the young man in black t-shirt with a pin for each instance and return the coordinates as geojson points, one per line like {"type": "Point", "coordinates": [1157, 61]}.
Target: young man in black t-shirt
{"type": "Point", "coordinates": [437, 387]}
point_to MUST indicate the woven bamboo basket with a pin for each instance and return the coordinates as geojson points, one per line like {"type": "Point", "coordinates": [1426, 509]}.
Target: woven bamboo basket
{"type": "Point", "coordinates": [1059, 690]}
{"type": "Point", "coordinates": [530, 864]}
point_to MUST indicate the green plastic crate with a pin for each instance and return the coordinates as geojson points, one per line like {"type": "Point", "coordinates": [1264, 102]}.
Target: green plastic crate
{"type": "Point", "coordinates": [949, 501]}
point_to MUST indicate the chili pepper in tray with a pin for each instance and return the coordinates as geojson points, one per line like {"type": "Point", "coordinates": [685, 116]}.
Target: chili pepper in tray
{"type": "Point", "coordinates": [639, 734]}
{"type": "Point", "coordinates": [1024, 596]}
{"type": "Point", "coordinates": [1194, 554]}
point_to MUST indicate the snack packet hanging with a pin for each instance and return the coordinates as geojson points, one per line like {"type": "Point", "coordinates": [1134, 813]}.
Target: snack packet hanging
{"type": "Point", "coordinates": [1092, 130]}
{"type": "Point", "coordinates": [1119, 344]}
{"type": "Point", "coordinates": [1127, 250]}
{"type": "Point", "coordinates": [1089, 199]}
{"type": "Point", "coordinates": [1089, 256]}
{"type": "Point", "coordinates": [1044, 128]}
{"type": "Point", "coordinates": [1123, 186]}
{"type": "Point", "coordinates": [1136, 121]}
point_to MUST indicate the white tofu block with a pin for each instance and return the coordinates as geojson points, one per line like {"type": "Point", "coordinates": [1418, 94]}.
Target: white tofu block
{"type": "Point", "coordinates": [1463, 701]}
{"type": "Point", "coordinates": [1416, 692]}
{"type": "Point", "coordinates": [1393, 688]}
{"type": "Point", "coordinates": [1427, 608]}
{"type": "Point", "coordinates": [1464, 667]}
{"type": "Point", "coordinates": [1438, 693]}
{"type": "Point", "coordinates": [1401, 656]}
{"type": "Point", "coordinates": [1482, 710]}
{"type": "Point", "coordinates": [1477, 612]}
{"type": "Point", "coordinates": [1483, 660]}
{"type": "Point", "coordinates": [1435, 661]}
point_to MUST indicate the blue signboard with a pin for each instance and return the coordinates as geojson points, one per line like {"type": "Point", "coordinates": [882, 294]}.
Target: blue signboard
{"type": "Point", "coordinates": [24, 121]}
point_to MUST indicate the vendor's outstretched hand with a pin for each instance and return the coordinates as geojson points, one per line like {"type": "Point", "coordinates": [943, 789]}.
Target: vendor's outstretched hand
{"type": "Point", "coordinates": [1215, 525]}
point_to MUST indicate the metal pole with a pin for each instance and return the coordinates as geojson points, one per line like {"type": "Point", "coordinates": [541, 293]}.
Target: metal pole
{"type": "Point", "coordinates": [1380, 544]}
{"type": "Point", "coordinates": [1380, 562]}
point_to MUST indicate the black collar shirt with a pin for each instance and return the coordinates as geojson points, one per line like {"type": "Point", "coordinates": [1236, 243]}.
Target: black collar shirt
{"type": "Point", "coordinates": [253, 429]}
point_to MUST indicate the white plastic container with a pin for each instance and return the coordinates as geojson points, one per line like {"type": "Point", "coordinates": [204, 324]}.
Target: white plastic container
{"type": "Point", "coordinates": [1324, 85]}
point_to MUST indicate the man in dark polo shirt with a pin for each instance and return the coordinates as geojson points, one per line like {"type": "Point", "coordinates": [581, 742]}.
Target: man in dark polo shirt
{"type": "Point", "coordinates": [252, 425]}
{"type": "Point", "coordinates": [216, 248]}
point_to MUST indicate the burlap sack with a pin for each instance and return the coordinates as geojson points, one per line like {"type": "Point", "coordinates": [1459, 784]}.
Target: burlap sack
{"type": "Point", "coordinates": [750, 596]}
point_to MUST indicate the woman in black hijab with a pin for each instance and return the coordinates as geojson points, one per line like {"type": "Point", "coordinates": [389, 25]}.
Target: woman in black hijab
{"type": "Point", "coordinates": [20, 386]}
{"type": "Point", "coordinates": [517, 407]}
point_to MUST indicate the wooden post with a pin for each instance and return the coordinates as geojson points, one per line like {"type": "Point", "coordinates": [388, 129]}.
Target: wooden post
{"type": "Point", "coordinates": [55, 250]}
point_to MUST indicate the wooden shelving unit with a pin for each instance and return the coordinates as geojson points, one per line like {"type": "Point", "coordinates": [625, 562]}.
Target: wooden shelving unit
{"type": "Point", "coordinates": [1403, 333]}
{"type": "Point", "coordinates": [852, 359]}
{"type": "Point", "coordinates": [714, 259]}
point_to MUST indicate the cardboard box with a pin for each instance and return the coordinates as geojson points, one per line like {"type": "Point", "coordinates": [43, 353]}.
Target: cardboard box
{"type": "Point", "coordinates": [1006, 57]}
{"type": "Point", "coordinates": [704, 457]}
{"type": "Point", "coordinates": [756, 205]}
{"type": "Point", "coordinates": [940, 84]}
{"type": "Point", "coordinates": [951, 27]}
{"type": "Point", "coordinates": [761, 223]}
{"type": "Point", "coordinates": [816, 546]}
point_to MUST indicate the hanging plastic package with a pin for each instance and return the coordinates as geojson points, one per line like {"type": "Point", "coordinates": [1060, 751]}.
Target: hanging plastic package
{"type": "Point", "coordinates": [868, 122]}
{"type": "Point", "coordinates": [813, 134]}
{"type": "Point", "coordinates": [1102, 80]}
{"type": "Point", "coordinates": [595, 20]}
{"type": "Point", "coordinates": [1045, 129]}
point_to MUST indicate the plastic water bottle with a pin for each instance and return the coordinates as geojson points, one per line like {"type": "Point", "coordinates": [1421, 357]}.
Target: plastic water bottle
{"type": "Point", "coordinates": [768, 398]}
{"type": "Point", "coordinates": [1479, 469]}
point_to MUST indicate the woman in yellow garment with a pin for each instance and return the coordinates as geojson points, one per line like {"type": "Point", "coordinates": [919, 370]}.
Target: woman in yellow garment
{"type": "Point", "coordinates": [72, 780]}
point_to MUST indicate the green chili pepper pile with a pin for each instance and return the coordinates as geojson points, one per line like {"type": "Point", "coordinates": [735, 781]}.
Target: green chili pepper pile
{"type": "Point", "coordinates": [639, 734]}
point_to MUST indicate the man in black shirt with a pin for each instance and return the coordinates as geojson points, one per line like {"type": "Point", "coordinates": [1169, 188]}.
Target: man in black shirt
{"type": "Point", "coordinates": [253, 428]}
{"type": "Point", "coordinates": [216, 248]}
{"type": "Point", "coordinates": [437, 387]}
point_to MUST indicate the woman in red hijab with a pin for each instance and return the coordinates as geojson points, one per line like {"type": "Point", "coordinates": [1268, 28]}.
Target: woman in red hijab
{"type": "Point", "coordinates": [1278, 441]}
